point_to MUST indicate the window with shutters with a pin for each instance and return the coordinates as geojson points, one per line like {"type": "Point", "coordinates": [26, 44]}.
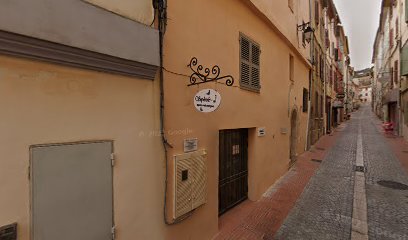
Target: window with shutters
{"type": "Point", "coordinates": [305, 100]}
{"type": "Point", "coordinates": [391, 12]}
{"type": "Point", "coordinates": [396, 27]}
{"type": "Point", "coordinates": [405, 107]}
{"type": "Point", "coordinates": [336, 54]}
{"type": "Point", "coordinates": [391, 37]}
{"type": "Point", "coordinates": [396, 72]}
{"type": "Point", "coordinates": [331, 76]}
{"type": "Point", "coordinates": [406, 11]}
{"type": "Point", "coordinates": [317, 14]}
{"type": "Point", "coordinates": [321, 106]}
{"type": "Point", "coordinates": [316, 113]}
{"type": "Point", "coordinates": [250, 73]}
{"type": "Point", "coordinates": [291, 68]}
{"type": "Point", "coordinates": [391, 78]}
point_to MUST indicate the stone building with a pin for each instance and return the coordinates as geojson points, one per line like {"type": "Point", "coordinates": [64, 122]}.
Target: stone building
{"type": "Point", "coordinates": [386, 61]}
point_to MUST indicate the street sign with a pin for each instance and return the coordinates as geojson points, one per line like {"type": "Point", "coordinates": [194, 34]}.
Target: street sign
{"type": "Point", "coordinates": [207, 100]}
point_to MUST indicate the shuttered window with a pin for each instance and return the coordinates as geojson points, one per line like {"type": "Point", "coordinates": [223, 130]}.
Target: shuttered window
{"type": "Point", "coordinates": [391, 37]}
{"type": "Point", "coordinates": [336, 54]}
{"type": "Point", "coordinates": [404, 60]}
{"type": "Point", "coordinates": [392, 78]}
{"type": "Point", "coordinates": [396, 72]}
{"type": "Point", "coordinates": [249, 64]}
{"type": "Point", "coordinates": [406, 11]}
{"type": "Point", "coordinates": [291, 68]}
{"type": "Point", "coordinates": [305, 99]}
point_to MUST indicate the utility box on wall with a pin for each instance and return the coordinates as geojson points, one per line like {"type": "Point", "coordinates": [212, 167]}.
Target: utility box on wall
{"type": "Point", "coordinates": [190, 182]}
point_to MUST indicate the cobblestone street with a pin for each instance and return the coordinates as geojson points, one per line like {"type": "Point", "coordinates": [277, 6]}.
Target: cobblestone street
{"type": "Point", "coordinates": [325, 209]}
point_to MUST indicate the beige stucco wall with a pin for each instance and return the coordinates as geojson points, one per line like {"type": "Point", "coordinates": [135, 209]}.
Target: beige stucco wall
{"type": "Point", "coordinates": [214, 40]}
{"type": "Point", "coordinates": [285, 19]}
{"type": "Point", "coordinates": [43, 103]}
{"type": "Point", "coordinates": [140, 10]}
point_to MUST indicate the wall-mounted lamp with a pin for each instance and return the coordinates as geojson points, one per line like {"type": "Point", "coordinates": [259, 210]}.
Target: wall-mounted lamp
{"type": "Point", "coordinates": [307, 31]}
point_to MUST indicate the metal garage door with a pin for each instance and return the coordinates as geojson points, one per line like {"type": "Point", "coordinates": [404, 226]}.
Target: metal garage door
{"type": "Point", "coordinates": [72, 191]}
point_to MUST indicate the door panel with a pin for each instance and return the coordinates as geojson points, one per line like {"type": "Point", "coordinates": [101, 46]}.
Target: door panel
{"type": "Point", "coordinates": [72, 191]}
{"type": "Point", "coordinates": [233, 168]}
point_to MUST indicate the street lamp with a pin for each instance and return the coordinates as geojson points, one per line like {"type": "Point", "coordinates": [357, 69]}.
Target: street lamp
{"type": "Point", "coordinates": [307, 31]}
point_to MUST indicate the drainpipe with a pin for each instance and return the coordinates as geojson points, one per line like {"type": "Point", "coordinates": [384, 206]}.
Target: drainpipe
{"type": "Point", "coordinates": [161, 6]}
{"type": "Point", "coordinates": [324, 79]}
{"type": "Point", "coordinates": [400, 124]}
{"type": "Point", "coordinates": [308, 128]}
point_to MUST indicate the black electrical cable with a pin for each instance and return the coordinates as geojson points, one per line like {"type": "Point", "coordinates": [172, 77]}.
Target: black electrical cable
{"type": "Point", "coordinates": [162, 13]}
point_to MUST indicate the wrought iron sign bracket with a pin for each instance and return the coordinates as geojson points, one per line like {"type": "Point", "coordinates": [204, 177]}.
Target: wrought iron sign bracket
{"type": "Point", "coordinates": [202, 75]}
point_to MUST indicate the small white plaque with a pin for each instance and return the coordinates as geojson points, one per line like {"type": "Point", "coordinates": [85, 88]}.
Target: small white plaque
{"type": "Point", "coordinates": [261, 132]}
{"type": "Point", "coordinates": [190, 144]}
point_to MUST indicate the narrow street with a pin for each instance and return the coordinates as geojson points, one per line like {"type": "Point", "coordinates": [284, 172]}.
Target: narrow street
{"type": "Point", "coordinates": [257, 120]}
{"type": "Point", "coordinates": [329, 215]}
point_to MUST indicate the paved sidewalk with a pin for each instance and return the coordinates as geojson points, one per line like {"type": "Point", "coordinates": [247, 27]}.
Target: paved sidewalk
{"type": "Point", "coordinates": [262, 219]}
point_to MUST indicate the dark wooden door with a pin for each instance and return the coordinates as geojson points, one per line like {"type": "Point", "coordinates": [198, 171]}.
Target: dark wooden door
{"type": "Point", "coordinates": [233, 168]}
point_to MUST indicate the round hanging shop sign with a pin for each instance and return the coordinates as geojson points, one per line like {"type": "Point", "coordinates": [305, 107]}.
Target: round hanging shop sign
{"type": "Point", "coordinates": [207, 100]}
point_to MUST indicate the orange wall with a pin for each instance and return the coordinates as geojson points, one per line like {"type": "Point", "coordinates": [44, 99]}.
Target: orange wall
{"type": "Point", "coordinates": [209, 30]}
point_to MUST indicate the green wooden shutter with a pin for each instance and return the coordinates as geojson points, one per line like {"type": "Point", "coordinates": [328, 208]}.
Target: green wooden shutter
{"type": "Point", "coordinates": [245, 65]}
{"type": "Point", "coordinates": [255, 68]}
{"type": "Point", "coordinates": [404, 61]}
{"type": "Point", "coordinates": [406, 11]}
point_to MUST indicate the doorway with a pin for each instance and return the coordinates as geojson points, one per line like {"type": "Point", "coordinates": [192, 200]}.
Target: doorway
{"type": "Point", "coordinates": [71, 191]}
{"type": "Point", "coordinates": [233, 168]}
{"type": "Point", "coordinates": [293, 137]}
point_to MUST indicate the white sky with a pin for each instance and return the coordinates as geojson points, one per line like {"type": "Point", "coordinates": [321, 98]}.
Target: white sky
{"type": "Point", "coordinates": [360, 19]}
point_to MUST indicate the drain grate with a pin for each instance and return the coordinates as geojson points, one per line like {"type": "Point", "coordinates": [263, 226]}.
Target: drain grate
{"type": "Point", "coordinates": [316, 160]}
{"type": "Point", "coordinates": [405, 151]}
{"type": "Point", "coordinates": [359, 168]}
{"type": "Point", "coordinates": [393, 185]}
{"type": "Point", "coordinates": [320, 148]}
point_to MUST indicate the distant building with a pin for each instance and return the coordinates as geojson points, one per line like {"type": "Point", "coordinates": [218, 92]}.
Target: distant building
{"type": "Point", "coordinates": [363, 79]}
